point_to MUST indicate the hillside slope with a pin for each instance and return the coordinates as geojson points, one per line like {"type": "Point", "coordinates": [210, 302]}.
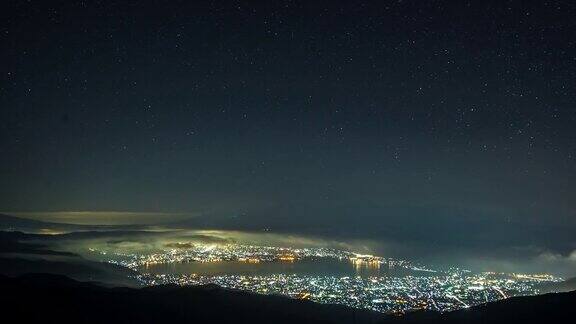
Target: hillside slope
{"type": "Point", "coordinates": [51, 298]}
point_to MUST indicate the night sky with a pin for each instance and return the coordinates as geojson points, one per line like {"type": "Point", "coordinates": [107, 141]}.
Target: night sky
{"type": "Point", "coordinates": [442, 125]}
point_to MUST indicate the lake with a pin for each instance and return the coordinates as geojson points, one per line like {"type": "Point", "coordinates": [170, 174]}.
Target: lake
{"type": "Point", "coordinates": [301, 267]}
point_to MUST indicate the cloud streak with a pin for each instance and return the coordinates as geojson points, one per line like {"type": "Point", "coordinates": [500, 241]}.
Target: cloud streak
{"type": "Point", "coordinates": [104, 217]}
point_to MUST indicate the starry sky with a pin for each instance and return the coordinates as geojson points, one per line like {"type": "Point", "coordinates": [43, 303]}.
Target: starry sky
{"type": "Point", "coordinates": [443, 125]}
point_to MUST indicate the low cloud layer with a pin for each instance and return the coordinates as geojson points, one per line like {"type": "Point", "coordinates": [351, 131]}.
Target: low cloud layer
{"type": "Point", "coordinates": [103, 217]}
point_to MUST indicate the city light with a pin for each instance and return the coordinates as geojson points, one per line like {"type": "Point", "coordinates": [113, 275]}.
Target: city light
{"type": "Point", "coordinates": [421, 288]}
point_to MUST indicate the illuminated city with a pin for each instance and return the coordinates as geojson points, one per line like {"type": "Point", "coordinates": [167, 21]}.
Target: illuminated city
{"type": "Point", "coordinates": [377, 283]}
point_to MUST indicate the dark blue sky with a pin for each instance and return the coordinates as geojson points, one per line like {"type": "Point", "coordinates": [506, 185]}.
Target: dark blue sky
{"type": "Point", "coordinates": [445, 124]}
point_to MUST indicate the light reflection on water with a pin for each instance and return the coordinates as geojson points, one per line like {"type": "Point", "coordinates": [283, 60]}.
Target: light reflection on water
{"type": "Point", "coordinates": [303, 267]}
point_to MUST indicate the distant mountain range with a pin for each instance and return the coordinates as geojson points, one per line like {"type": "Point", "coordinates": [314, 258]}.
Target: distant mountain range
{"type": "Point", "coordinates": [12, 223]}
{"type": "Point", "coordinates": [7, 221]}
{"type": "Point", "coordinates": [22, 253]}
{"type": "Point", "coordinates": [52, 298]}
{"type": "Point", "coordinates": [562, 286]}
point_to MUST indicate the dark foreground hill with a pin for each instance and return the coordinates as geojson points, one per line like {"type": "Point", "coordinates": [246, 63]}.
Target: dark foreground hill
{"type": "Point", "coordinates": [52, 298]}
{"type": "Point", "coordinates": [548, 308]}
